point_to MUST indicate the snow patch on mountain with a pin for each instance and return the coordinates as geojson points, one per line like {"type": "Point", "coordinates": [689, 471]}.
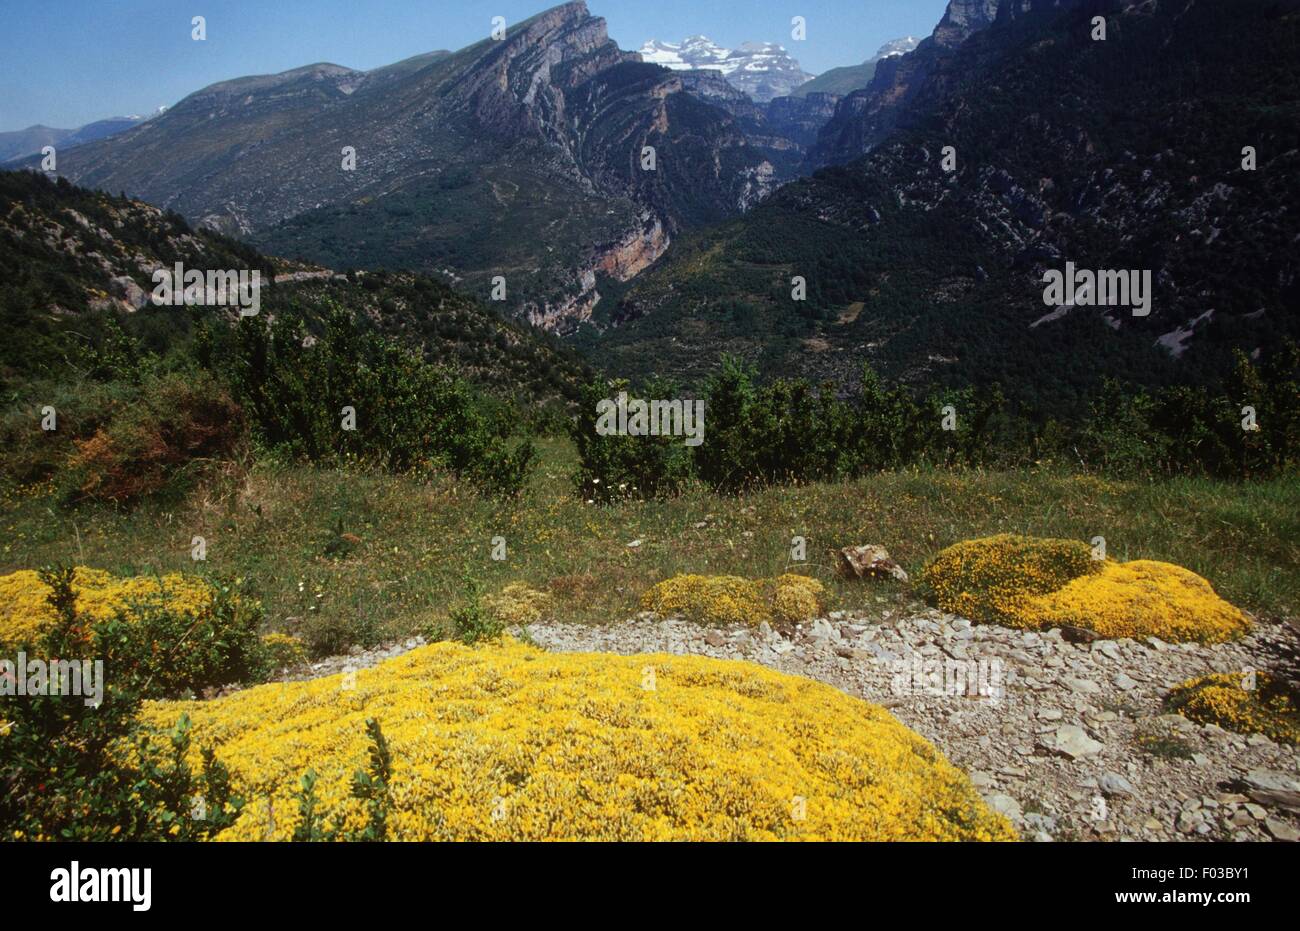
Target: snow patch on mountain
{"type": "Point", "coordinates": [762, 70]}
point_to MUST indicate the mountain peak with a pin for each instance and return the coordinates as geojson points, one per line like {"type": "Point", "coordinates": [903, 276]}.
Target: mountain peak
{"type": "Point", "coordinates": [763, 70]}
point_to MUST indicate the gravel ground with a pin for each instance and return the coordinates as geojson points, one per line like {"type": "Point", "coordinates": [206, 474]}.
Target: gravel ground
{"type": "Point", "coordinates": [1048, 729]}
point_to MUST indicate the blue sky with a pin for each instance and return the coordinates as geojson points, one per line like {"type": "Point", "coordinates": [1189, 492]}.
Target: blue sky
{"type": "Point", "coordinates": [67, 62]}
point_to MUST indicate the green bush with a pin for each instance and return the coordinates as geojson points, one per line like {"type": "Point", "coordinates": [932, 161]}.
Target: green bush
{"type": "Point", "coordinates": [409, 416]}
{"type": "Point", "coordinates": [617, 466]}
{"type": "Point", "coordinates": [72, 771]}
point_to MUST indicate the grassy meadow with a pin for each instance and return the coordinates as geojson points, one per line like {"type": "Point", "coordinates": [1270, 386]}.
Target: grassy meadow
{"type": "Point", "coordinates": [356, 558]}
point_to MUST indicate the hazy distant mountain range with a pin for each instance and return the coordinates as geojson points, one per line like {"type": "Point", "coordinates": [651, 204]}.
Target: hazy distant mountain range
{"type": "Point", "coordinates": [24, 142]}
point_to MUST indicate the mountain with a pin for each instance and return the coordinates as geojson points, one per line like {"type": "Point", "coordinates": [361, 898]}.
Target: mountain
{"type": "Point", "coordinates": [518, 158]}
{"type": "Point", "coordinates": [763, 70]}
{"type": "Point", "coordinates": [1125, 154]}
{"type": "Point", "coordinates": [75, 261]}
{"type": "Point", "coordinates": [30, 141]}
{"type": "Point", "coordinates": [866, 116]}
{"type": "Point", "coordinates": [800, 118]}
{"type": "Point", "coordinates": [841, 81]}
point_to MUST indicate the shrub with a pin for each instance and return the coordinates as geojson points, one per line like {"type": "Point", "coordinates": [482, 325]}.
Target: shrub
{"type": "Point", "coordinates": [25, 611]}
{"type": "Point", "coordinates": [176, 421]}
{"type": "Point", "coordinates": [283, 650]}
{"type": "Point", "coordinates": [30, 454]}
{"type": "Point", "coordinates": [517, 604]}
{"type": "Point", "coordinates": [186, 634]}
{"type": "Point", "coordinates": [1034, 583]}
{"type": "Point", "coordinates": [1254, 703]}
{"type": "Point", "coordinates": [616, 466]}
{"type": "Point", "coordinates": [709, 599]}
{"type": "Point", "coordinates": [990, 579]}
{"type": "Point", "coordinates": [798, 598]}
{"type": "Point", "coordinates": [409, 416]}
{"type": "Point", "coordinates": [73, 771]}
{"type": "Point", "coordinates": [720, 750]}
{"type": "Point", "coordinates": [471, 621]}
{"type": "Point", "coordinates": [1142, 598]}
{"type": "Point", "coordinates": [729, 599]}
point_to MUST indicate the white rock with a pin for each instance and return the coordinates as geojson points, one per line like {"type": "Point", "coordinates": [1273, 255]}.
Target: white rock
{"type": "Point", "coordinates": [1072, 741]}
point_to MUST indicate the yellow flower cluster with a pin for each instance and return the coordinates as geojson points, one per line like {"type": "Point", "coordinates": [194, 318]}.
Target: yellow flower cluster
{"type": "Point", "coordinates": [25, 612]}
{"type": "Point", "coordinates": [507, 742]}
{"type": "Point", "coordinates": [798, 598]}
{"type": "Point", "coordinates": [1142, 598]}
{"type": "Point", "coordinates": [518, 604]}
{"type": "Point", "coordinates": [1248, 703]}
{"type": "Point", "coordinates": [729, 599]}
{"type": "Point", "coordinates": [1034, 583]}
{"type": "Point", "coordinates": [283, 649]}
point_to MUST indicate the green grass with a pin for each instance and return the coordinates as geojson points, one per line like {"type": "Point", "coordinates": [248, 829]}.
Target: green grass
{"type": "Point", "coordinates": [274, 525]}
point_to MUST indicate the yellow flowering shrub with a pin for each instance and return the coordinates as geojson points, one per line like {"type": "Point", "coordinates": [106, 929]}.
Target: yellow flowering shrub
{"type": "Point", "coordinates": [729, 599]}
{"type": "Point", "coordinates": [1142, 598]}
{"type": "Point", "coordinates": [507, 742]}
{"type": "Point", "coordinates": [283, 650]}
{"type": "Point", "coordinates": [518, 604]}
{"type": "Point", "coordinates": [798, 598]}
{"type": "Point", "coordinates": [1034, 583]}
{"type": "Point", "coordinates": [25, 613]}
{"type": "Point", "coordinates": [1235, 701]}
{"type": "Point", "coordinates": [709, 599]}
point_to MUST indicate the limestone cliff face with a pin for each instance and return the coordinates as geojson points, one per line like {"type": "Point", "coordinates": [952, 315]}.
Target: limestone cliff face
{"type": "Point", "coordinates": [963, 19]}
{"type": "Point", "coordinates": [636, 252]}
{"type": "Point", "coordinates": [865, 117]}
{"type": "Point", "coordinates": [621, 260]}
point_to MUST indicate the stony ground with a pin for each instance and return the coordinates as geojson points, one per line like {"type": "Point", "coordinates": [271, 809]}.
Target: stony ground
{"type": "Point", "coordinates": [1047, 728]}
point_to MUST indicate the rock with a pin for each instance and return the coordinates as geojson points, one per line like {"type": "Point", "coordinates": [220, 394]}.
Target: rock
{"type": "Point", "coordinates": [1072, 741]}
{"type": "Point", "coordinates": [1241, 819]}
{"type": "Point", "coordinates": [1036, 821]}
{"type": "Point", "coordinates": [130, 292]}
{"type": "Point", "coordinates": [1108, 649]}
{"type": "Point", "coordinates": [1005, 805]}
{"type": "Point", "coordinates": [1271, 779]}
{"type": "Point", "coordinates": [868, 561]}
{"type": "Point", "coordinates": [1082, 686]}
{"type": "Point", "coordinates": [715, 638]}
{"type": "Point", "coordinates": [821, 629]}
{"type": "Point", "coordinates": [1113, 784]}
{"type": "Point", "coordinates": [1079, 634]}
{"type": "Point", "coordinates": [1281, 830]}
{"type": "Point", "coordinates": [634, 544]}
{"type": "Point", "coordinates": [1277, 798]}
{"type": "Point", "coordinates": [1122, 681]}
